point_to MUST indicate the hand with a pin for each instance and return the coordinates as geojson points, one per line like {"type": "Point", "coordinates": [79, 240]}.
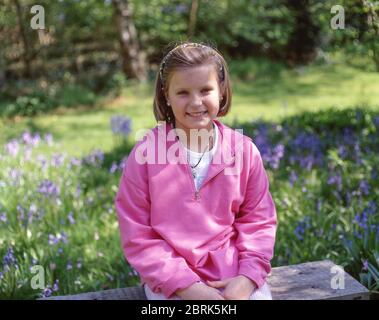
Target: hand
{"type": "Point", "coordinates": [236, 288]}
{"type": "Point", "coordinates": [199, 291]}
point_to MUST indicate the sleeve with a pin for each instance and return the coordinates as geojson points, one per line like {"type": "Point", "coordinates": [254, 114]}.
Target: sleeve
{"type": "Point", "coordinates": [256, 223]}
{"type": "Point", "coordinates": [158, 264]}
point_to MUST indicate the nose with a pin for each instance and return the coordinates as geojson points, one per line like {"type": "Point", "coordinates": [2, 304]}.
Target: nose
{"type": "Point", "coordinates": [196, 101]}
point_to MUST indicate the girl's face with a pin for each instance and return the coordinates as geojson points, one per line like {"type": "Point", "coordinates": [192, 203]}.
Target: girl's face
{"type": "Point", "coordinates": [194, 95]}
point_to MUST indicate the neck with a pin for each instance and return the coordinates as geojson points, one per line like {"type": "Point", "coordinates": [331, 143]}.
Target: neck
{"type": "Point", "coordinates": [198, 140]}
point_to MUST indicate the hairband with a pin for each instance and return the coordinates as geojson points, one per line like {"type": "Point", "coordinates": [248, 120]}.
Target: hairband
{"type": "Point", "coordinates": [192, 44]}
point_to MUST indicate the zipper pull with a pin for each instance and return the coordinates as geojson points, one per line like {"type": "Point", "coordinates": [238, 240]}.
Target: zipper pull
{"type": "Point", "coordinates": [197, 195]}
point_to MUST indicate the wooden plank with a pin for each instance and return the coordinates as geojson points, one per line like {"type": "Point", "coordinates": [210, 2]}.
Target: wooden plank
{"type": "Point", "coordinates": [312, 281]}
{"type": "Point", "coordinates": [306, 281]}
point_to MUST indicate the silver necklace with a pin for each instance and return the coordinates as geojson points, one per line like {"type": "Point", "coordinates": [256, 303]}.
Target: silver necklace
{"type": "Point", "coordinates": [193, 167]}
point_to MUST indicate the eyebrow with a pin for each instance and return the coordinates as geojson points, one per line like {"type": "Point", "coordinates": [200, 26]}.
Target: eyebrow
{"type": "Point", "coordinates": [204, 86]}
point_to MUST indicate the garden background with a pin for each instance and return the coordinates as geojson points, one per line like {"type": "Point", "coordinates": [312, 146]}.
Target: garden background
{"type": "Point", "coordinates": [73, 95]}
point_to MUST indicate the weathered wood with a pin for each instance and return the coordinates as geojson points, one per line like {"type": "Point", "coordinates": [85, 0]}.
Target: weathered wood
{"type": "Point", "coordinates": [306, 281]}
{"type": "Point", "coordinates": [312, 281]}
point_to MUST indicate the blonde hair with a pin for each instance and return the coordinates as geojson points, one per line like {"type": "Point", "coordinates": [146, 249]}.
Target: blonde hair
{"type": "Point", "coordinates": [186, 55]}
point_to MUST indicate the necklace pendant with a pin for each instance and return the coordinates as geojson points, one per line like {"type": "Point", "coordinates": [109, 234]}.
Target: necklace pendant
{"type": "Point", "coordinates": [194, 174]}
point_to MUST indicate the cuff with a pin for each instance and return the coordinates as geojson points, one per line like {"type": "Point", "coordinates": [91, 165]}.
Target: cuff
{"type": "Point", "coordinates": [179, 282]}
{"type": "Point", "coordinates": [254, 272]}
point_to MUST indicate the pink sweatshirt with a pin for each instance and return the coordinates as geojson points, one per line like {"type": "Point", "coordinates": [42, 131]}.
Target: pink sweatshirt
{"type": "Point", "coordinates": [173, 235]}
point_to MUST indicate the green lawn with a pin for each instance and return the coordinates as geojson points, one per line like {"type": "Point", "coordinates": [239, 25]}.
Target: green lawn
{"type": "Point", "coordinates": [269, 97]}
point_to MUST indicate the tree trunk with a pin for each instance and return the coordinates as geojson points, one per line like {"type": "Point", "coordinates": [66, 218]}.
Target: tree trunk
{"type": "Point", "coordinates": [193, 18]}
{"type": "Point", "coordinates": [134, 62]}
{"type": "Point", "coordinates": [2, 70]}
{"type": "Point", "coordinates": [304, 38]}
{"type": "Point", "coordinates": [26, 54]}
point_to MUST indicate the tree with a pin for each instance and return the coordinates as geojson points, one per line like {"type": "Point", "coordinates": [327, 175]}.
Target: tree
{"type": "Point", "coordinates": [134, 64]}
{"type": "Point", "coordinates": [193, 18]}
{"type": "Point", "coordinates": [304, 38]}
{"type": "Point", "coordinates": [24, 39]}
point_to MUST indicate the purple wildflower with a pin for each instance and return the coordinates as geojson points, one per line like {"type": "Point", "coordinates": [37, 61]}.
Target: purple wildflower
{"type": "Point", "coordinates": [335, 179]}
{"type": "Point", "coordinates": [302, 227]}
{"type": "Point", "coordinates": [71, 218]}
{"type": "Point", "coordinates": [56, 285]}
{"type": "Point", "coordinates": [48, 139]}
{"type": "Point", "coordinates": [376, 121]}
{"type": "Point", "coordinates": [48, 188]}
{"type": "Point", "coordinates": [30, 140]}
{"type": "Point", "coordinates": [3, 217]}
{"type": "Point", "coordinates": [42, 160]}
{"type": "Point", "coordinates": [9, 259]}
{"type": "Point", "coordinates": [15, 176]}
{"type": "Point", "coordinates": [47, 292]}
{"type": "Point", "coordinates": [364, 188]}
{"type": "Point", "coordinates": [365, 265]}
{"type": "Point", "coordinates": [57, 160]}
{"type": "Point", "coordinates": [75, 162]}
{"type": "Point", "coordinates": [12, 147]}
{"type": "Point", "coordinates": [56, 239]}
{"type": "Point", "coordinates": [293, 178]}
{"type": "Point", "coordinates": [121, 125]}
{"type": "Point", "coordinates": [113, 168]}
{"type": "Point", "coordinates": [95, 158]}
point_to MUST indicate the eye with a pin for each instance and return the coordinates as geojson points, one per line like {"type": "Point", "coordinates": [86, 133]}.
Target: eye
{"type": "Point", "coordinates": [206, 90]}
{"type": "Point", "coordinates": [182, 92]}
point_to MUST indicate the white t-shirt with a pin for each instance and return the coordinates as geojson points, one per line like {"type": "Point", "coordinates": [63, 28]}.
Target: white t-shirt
{"type": "Point", "coordinates": [202, 167]}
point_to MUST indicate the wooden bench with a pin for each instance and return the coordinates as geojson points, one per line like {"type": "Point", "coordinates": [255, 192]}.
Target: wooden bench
{"type": "Point", "coordinates": [306, 281]}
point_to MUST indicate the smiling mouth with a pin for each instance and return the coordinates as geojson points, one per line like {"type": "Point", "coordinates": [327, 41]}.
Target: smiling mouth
{"type": "Point", "coordinates": [197, 114]}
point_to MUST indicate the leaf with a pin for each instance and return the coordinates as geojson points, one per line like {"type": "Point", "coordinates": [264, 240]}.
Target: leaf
{"type": "Point", "coordinates": [374, 272]}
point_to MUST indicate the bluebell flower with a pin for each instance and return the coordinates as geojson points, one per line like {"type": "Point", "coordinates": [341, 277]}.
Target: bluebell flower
{"type": "Point", "coordinates": [121, 125]}
{"type": "Point", "coordinates": [364, 187]}
{"type": "Point", "coordinates": [113, 168]}
{"type": "Point", "coordinates": [365, 265]}
{"type": "Point", "coordinates": [301, 228]}
{"type": "Point", "coordinates": [9, 260]}
{"type": "Point", "coordinates": [56, 285]}
{"type": "Point", "coordinates": [376, 121]}
{"type": "Point", "coordinates": [3, 217]}
{"type": "Point", "coordinates": [47, 292]}
{"type": "Point", "coordinates": [71, 218]}
{"type": "Point", "coordinates": [57, 160]}
{"type": "Point", "coordinates": [335, 179]}
{"type": "Point", "coordinates": [48, 139]}
{"type": "Point", "coordinates": [75, 162]}
{"type": "Point", "coordinates": [48, 188]}
{"type": "Point", "coordinates": [12, 147]}
{"type": "Point", "coordinates": [95, 158]}
{"type": "Point", "coordinates": [293, 178]}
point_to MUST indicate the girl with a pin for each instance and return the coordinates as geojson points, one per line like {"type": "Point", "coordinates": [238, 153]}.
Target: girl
{"type": "Point", "coordinates": [196, 217]}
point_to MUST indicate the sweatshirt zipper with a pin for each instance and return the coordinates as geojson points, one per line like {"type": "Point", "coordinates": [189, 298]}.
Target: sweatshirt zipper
{"type": "Point", "coordinates": [197, 192]}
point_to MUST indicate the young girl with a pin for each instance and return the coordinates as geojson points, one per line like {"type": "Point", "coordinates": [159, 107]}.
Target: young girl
{"type": "Point", "coordinates": [196, 217]}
